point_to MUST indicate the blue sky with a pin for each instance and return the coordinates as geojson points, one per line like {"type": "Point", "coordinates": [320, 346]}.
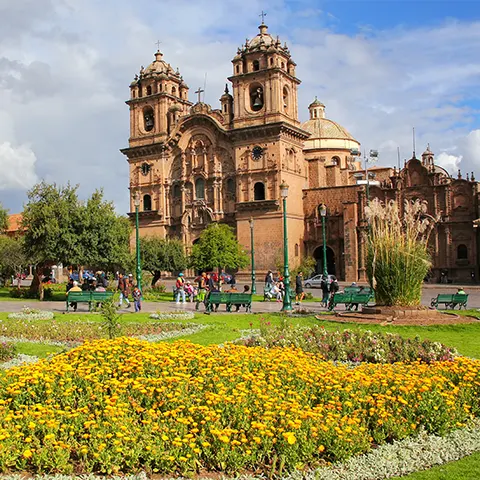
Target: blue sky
{"type": "Point", "coordinates": [380, 67]}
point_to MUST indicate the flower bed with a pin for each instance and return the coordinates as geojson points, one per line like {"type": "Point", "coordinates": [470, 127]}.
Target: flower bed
{"type": "Point", "coordinates": [74, 333]}
{"type": "Point", "coordinates": [172, 315]}
{"type": "Point", "coordinates": [349, 345]}
{"type": "Point", "coordinates": [7, 350]}
{"type": "Point", "coordinates": [125, 405]}
{"type": "Point", "coordinates": [31, 314]}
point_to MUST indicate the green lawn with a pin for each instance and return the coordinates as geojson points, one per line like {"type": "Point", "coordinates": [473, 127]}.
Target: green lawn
{"type": "Point", "coordinates": [466, 469]}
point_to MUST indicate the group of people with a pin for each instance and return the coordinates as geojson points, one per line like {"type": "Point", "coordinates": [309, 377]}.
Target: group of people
{"type": "Point", "coordinates": [126, 287]}
{"type": "Point", "coordinates": [202, 286]}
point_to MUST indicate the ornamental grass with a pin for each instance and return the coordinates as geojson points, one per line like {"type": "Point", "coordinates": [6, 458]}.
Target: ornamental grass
{"type": "Point", "coordinates": [124, 405]}
{"type": "Point", "coordinates": [398, 258]}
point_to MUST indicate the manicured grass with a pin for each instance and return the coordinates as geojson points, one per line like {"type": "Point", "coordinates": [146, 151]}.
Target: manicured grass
{"type": "Point", "coordinates": [466, 469]}
{"type": "Point", "coordinates": [37, 349]}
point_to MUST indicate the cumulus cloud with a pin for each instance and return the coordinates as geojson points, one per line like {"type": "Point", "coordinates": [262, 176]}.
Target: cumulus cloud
{"type": "Point", "coordinates": [63, 96]}
{"type": "Point", "coordinates": [17, 165]}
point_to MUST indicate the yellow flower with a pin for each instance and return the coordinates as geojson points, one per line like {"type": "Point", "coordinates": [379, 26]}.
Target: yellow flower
{"type": "Point", "coordinates": [27, 454]}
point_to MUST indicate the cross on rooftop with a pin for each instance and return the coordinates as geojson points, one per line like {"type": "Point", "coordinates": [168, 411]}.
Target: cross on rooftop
{"type": "Point", "coordinates": [263, 15]}
{"type": "Point", "coordinates": [199, 92]}
{"type": "Point", "coordinates": [158, 43]}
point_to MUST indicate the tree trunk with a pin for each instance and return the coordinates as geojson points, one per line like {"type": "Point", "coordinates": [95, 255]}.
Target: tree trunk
{"type": "Point", "coordinates": [156, 277]}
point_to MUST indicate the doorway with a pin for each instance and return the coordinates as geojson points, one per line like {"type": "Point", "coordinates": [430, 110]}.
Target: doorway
{"type": "Point", "coordinates": [318, 256]}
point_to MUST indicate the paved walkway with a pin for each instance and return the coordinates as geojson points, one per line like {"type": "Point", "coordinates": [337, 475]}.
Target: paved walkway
{"type": "Point", "coordinates": [257, 307]}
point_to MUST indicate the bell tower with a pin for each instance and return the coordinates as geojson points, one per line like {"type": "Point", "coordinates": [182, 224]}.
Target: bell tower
{"type": "Point", "coordinates": [268, 144]}
{"type": "Point", "coordinates": [264, 82]}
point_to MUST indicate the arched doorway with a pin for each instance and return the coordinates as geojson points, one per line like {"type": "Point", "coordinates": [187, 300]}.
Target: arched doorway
{"type": "Point", "coordinates": [318, 256]}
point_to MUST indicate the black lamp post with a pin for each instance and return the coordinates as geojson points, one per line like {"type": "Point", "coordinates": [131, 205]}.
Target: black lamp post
{"type": "Point", "coordinates": [136, 202]}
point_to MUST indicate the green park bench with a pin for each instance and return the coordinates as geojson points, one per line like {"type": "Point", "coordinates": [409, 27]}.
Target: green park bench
{"type": "Point", "coordinates": [350, 300]}
{"type": "Point", "coordinates": [450, 300]}
{"type": "Point", "coordinates": [92, 298]}
{"type": "Point", "coordinates": [229, 299]}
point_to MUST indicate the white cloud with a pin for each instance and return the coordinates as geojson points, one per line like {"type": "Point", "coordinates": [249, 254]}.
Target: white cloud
{"type": "Point", "coordinates": [450, 163]}
{"type": "Point", "coordinates": [17, 165]}
{"type": "Point", "coordinates": [66, 66]}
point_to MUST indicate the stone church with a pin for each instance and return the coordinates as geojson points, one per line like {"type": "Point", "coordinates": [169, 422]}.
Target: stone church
{"type": "Point", "coordinates": [191, 165]}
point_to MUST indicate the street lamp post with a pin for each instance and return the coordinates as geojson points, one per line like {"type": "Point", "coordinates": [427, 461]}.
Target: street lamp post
{"type": "Point", "coordinates": [323, 214]}
{"type": "Point", "coordinates": [136, 202]}
{"type": "Point", "coordinates": [287, 301]}
{"type": "Point", "coordinates": [254, 288]}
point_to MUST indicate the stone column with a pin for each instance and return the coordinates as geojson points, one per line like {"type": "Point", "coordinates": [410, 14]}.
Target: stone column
{"type": "Point", "coordinates": [350, 242]}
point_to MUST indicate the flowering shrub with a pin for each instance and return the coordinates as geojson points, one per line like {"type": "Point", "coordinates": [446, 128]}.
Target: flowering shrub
{"type": "Point", "coordinates": [351, 346]}
{"type": "Point", "coordinates": [7, 351]}
{"type": "Point", "coordinates": [28, 313]}
{"type": "Point", "coordinates": [172, 315]}
{"type": "Point", "coordinates": [122, 405]}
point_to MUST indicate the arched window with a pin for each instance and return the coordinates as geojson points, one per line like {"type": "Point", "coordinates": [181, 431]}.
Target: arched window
{"type": "Point", "coordinates": [296, 250]}
{"type": "Point", "coordinates": [174, 91]}
{"type": "Point", "coordinates": [335, 161]}
{"type": "Point", "coordinates": [462, 252]}
{"type": "Point", "coordinates": [283, 65]}
{"type": "Point", "coordinates": [147, 203]}
{"type": "Point", "coordinates": [271, 61]}
{"type": "Point", "coordinates": [176, 191]}
{"type": "Point", "coordinates": [256, 65]}
{"type": "Point", "coordinates": [256, 97]}
{"type": "Point", "coordinates": [259, 191]}
{"type": "Point", "coordinates": [149, 90]}
{"type": "Point", "coordinates": [237, 68]}
{"type": "Point", "coordinates": [133, 94]}
{"type": "Point", "coordinates": [285, 98]}
{"type": "Point", "coordinates": [148, 119]}
{"type": "Point", "coordinates": [200, 189]}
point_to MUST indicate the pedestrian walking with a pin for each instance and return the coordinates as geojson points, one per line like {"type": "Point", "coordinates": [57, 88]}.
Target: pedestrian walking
{"type": "Point", "coordinates": [180, 286]}
{"type": "Point", "coordinates": [125, 287]}
{"type": "Point", "coordinates": [137, 298]}
{"type": "Point", "coordinates": [299, 293]}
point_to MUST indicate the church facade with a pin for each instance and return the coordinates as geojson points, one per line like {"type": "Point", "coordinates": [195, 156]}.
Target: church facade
{"type": "Point", "coordinates": [191, 165]}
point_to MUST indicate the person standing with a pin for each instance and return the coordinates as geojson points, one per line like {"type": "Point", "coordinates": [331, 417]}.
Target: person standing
{"type": "Point", "coordinates": [299, 293]}
{"type": "Point", "coordinates": [180, 286]}
{"type": "Point", "coordinates": [137, 299]}
{"type": "Point", "coordinates": [269, 280]}
{"type": "Point", "coordinates": [202, 288]}
{"type": "Point", "coordinates": [124, 287]}
{"type": "Point", "coordinates": [325, 290]}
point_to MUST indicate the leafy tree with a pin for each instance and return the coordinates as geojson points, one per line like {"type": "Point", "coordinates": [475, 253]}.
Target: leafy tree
{"type": "Point", "coordinates": [3, 219]}
{"type": "Point", "coordinates": [59, 228]}
{"type": "Point", "coordinates": [159, 255]}
{"type": "Point", "coordinates": [307, 266]}
{"type": "Point", "coordinates": [218, 248]}
{"type": "Point", "coordinates": [12, 256]}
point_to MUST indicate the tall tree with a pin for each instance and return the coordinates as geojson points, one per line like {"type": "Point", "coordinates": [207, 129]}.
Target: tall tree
{"type": "Point", "coordinates": [159, 255]}
{"type": "Point", "coordinates": [59, 228]}
{"type": "Point", "coordinates": [12, 256]}
{"type": "Point", "coordinates": [3, 219]}
{"type": "Point", "coordinates": [218, 248]}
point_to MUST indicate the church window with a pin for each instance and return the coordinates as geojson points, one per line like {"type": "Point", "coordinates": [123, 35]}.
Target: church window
{"type": "Point", "coordinates": [271, 62]}
{"type": "Point", "coordinates": [140, 94]}
{"type": "Point", "coordinates": [296, 250]}
{"type": "Point", "coordinates": [259, 191]}
{"type": "Point", "coordinates": [237, 68]}
{"type": "Point", "coordinates": [147, 203]}
{"type": "Point", "coordinates": [174, 91]}
{"type": "Point", "coordinates": [256, 65]}
{"type": "Point", "coordinates": [148, 119]}
{"type": "Point", "coordinates": [145, 169]}
{"type": "Point", "coordinates": [285, 98]}
{"type": "Point", "coordinates": [283, 65]}
{"type": "Point", "coordinates": [176, 191]}
{"type": "Point", "coordinates": [462, 252]}
{"type": "Point", "coordinates": [335, 161]}
{"type": "Point", "coordinates": [256, 97]}
{"type": "Point", "coordinates": [231, 187]}
{"type": "Point", "coordinates": [200, 189]}
{"type": "Point", "coordinates": [224, 109]}
{"type": "Point", "coordinates": [149, 90]}
{"type": "Point", "coordinates": [134, 94]}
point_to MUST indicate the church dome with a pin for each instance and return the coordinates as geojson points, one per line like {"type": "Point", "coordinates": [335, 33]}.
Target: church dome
{"type": "Point", "coordinates": [325, 133]}
{"type": "Point", "coordinates": [261, 42]}
{"type": "Point", "coordinates": [158, 66]}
